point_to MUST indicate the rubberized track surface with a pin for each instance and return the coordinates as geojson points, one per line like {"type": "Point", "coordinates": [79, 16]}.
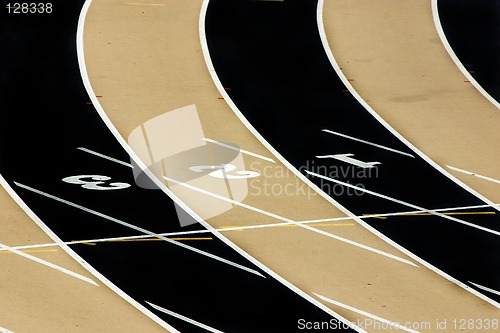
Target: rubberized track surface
{"type": "Point", "coordinates": [289, 102]}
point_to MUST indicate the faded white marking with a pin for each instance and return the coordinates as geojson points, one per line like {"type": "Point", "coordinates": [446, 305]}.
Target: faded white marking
{"type": "Point", "coordinates": [184, 318]}
{"type": "Point", "coordinates": [474, 174]}
{"type": "Point", "coordinates": [225, 145]}
{"type": "Point", "coordinates": [486, 288]}
{"type": "Point", "coordinates": [367, 314]}
{"type": "Point", "coordinates": [105, 157]}
{"type": "Point", "coordinates": [368, 143]}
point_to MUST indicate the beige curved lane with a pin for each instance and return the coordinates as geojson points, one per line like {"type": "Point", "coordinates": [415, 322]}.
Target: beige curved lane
{"type": "Point", "coordinates": [397, 63]}
{"type": "Point", "coordinates": [36, 298]}
{"type": "Point", "coordinates": [145, 59]}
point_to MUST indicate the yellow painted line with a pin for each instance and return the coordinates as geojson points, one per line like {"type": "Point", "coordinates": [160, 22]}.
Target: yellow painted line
{"type": "Point", "coordinates": [292, 225]}
{"type": "Point", "coordinates": [375, 216]}
{"type": "Point", "coordinates": [146, 4]}
{"type": "Point", "coordinates": [427, 214]}
{"type": "Point", "coordinates": [31, 251]}
{"type": "Point", "coordinates": [151, 240]}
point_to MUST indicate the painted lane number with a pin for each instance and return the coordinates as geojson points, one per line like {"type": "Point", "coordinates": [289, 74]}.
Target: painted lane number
{"type": "Point", "coordinates": [95, 182]}
{"type": "Point", "coordinates": [222, 171]}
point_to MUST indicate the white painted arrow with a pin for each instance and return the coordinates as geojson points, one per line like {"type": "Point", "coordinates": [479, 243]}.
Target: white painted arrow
{"type": "Point", "coordinates": [348, 159]}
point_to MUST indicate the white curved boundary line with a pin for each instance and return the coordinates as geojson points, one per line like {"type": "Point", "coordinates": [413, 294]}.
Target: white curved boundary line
{"type": "Point", "coordinates": [222, 91]}
{"type": "Point", "coordinates": [456, 60]}
{"type": "Point", "coordinates": [57, 241]}
{"type": "Point", "coordinates": [126, 147]}
{"type": "Point", "coordinates": [414, 149]}
{"type": "Point", "coordinates": [238, 113]}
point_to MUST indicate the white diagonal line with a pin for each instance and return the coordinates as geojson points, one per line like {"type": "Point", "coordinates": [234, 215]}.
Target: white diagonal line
{"type": "Point", "coordinates": [367, 314]}
{"type": "Point", "coordinates": [434, 212]}
{"type": "Point", "coordinates": [105, 157]}
{"type": "Point", "coordinates": [147, 232]}
{"type": "Point", "coordinates": [225, 145]}
{"type": "Point", "coordinates": [493, 291]}
{"type": "Point", "coordinates": [474, 174]}
{"type": "Point", "coordinates": [4, 330]}
{"type": "Point", "coordinates": [248, 227]}
{"type": "Point", "coordinates": [48, 264]}
{"type": "Point", "coordinates": [409, 212]}
{"type": "Point", "coordinates": [368, 143]}
{"type": "Point", "coordinates": [184, 318]}
{"type": "Point", "coordinates": [284, 219]}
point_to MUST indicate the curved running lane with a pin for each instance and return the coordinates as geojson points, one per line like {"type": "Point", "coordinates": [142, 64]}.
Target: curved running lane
{"type": "Point", "coordinates": [63, 162]}
{"type": "Point", "coordinates": [472, 29]}
{"type": "Point", "coordinates": [271, 56]}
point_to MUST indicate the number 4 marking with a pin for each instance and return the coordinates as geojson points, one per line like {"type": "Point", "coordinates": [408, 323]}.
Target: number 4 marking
{"type": "Point", "coordinates": [95, 182]}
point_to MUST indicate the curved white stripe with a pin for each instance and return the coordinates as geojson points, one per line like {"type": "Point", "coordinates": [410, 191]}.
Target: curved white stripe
{"type": "Point", "coordinates": [184, 318]}
{"type": "Point", "coordinates": [456, 60]}
{"type": "Point", "coordinates": [348, 85]}
{"type": "Point", "coordinates": [367, 314]}
{"type": "Point", "coordinates": [238, 113]}
{"type": "Point", "coordinates": [4, 330]}
{"type": "Point", "coordinates": [493, 291]}
{"type": "Point", "coordinates": [160, 185]}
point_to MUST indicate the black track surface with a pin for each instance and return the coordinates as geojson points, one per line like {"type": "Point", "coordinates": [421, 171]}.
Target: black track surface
{"type": "Point", "coordinates": [45, 117]}
{"type": "Point", "coordinates": [271, 56]}
{"type": "Point", "coordinates": [472, 28]}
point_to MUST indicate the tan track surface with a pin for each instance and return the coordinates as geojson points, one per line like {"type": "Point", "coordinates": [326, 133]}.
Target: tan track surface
{"type": "Point", "coordinates": [38, 299]}
{"type": "Point", "coordinates": [392, 52]}
{"type": "Point", "coordinates": [146, 60]}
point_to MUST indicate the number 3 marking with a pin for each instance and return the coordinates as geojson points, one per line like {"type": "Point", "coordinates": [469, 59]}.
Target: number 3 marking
{"type": "Point", "coordinates": [95, 182]}
{"type": "Point", "coordinates": [223, 170]}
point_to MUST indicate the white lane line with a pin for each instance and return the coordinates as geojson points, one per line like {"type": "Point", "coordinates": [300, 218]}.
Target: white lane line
{"type": "Point", "coordinates": [474, 174]}
{"type": "Point", "coordinates": [434, 212]}
{"type": "Point", "coordinates": [177, 200]}
{"type": "Point", "coordinates": [105, 157]}
{"type": "Point", "coordinates": [493, 291]}
{"type": "Point", "coordinates": [410, 212]}
{"type": "Point", "coordinates": [248, 125]}
{"type": "Point", "coordinates": [184, 318]}
{"type": "Point", "coordinates": [381, 120]}
{"type": "Point", "coordinates": [144, 231]}
{"type": "Point", "coordinates": [453, 56]}
{"type": "Point", "coordinates": [97, 105]}
{"type": "Point", "coordinates": [289, 221]}
{"type": "Point", "coordinates": [367, 314]}
{"type": "Point", "coordinates": [48, 264]}
{"type": "Point", "coordinates": [225, 145]}
{"type": "Point", "coordinates": [368, 143]}
{"type": "Point", "coordinates": [242, 228]}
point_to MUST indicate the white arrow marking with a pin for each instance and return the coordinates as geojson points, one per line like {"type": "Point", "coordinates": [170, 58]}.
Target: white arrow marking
{"type": "Point", "coordinates": [348, 159]}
